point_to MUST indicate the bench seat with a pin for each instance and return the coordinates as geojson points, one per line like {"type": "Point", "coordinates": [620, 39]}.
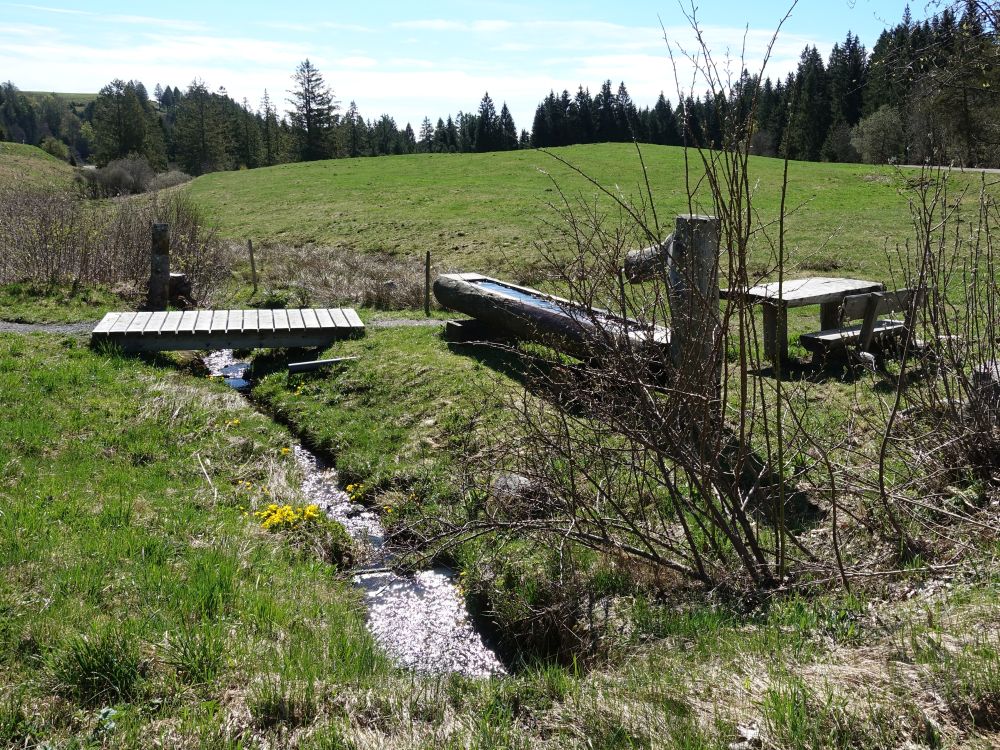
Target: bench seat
{"type": "Point", "coordinates": [839, 338]}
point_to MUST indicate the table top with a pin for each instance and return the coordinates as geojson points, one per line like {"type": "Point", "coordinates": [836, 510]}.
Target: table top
{"type": "Point", "coordinates": [811, 291]}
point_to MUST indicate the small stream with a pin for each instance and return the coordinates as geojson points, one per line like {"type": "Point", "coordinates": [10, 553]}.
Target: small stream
{"type": "Point", "coordinates": [421, 621]}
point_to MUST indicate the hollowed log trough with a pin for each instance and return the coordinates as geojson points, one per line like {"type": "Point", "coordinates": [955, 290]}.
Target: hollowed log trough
{"type": "Point", "coordinates": [526, 313]}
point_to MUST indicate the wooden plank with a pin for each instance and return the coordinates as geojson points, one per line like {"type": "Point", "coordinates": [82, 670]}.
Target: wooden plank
{"type": "Point", "coordinates": [295, 321]}
{"type": "Point", "coordinates": [353, 319]}
{"type": "Point", "coordinates": [250, 320]}
{"type": "Point", "coordinates": [856, 305]}
{"type": "Point", "coordinates": [812, 291]}
{"type": "Point", "coordinates": [138, 322]}
{"type": "Point", "coordinates": [188, 321]}
{"type": "Point", "coordinates": [122, 323]}
{"type": "Point", "coordinates": [339, 319]}
{"type": "Point", "coordinates": [172, 322]}
{"type": "Point", "coordinates": [265, 320]}
{"type": "Point", "coordinates": [235, 322]}
{"type": "Point", "coordinates": [281, 320]}
{"type": "Point", "coordinates": [316, 364]}
{"type": "Point", "coordinates": [154, 324]}
{"type": "Point", "coordinates": [106, 322]}
{"type": "Point", "coordinates": [310, 318]}
{"type": "Point", "coordinates": [838, 337]}
{"type": "Point", "coordinates": [219, 318]}
{"type": "Point", "coordinates": [323, 316]}
{"type": "Point", "coordinates": [204, 322]}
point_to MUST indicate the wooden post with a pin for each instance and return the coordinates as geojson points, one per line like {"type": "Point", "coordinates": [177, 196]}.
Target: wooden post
{"type": "Point", "coordinates": [427, 284]}
{"type": "Point", "coordinates": [695, 340]}
{"type": "Point", "coordinates": [159, 268]}
{"type": "Point", "coordinates": [253, 267]}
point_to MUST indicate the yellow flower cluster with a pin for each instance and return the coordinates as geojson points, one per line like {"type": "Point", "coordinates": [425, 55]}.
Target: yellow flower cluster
{"type": "Point", "coordinates": [278, 517]}
{"type": "Point", "coordinates": [233, 423]}
{"type": "Point", "coordinates": [356, 492]}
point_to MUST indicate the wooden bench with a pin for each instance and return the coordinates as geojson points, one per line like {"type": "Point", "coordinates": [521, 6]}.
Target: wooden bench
{"type": "Point", "coordinates": [873, 331]}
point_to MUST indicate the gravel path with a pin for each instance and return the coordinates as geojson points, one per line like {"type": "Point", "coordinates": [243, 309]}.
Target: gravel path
{"type": "Point", "coordinates": [87, 327]}
{"type": "Point", "coordinates": [8, 327]}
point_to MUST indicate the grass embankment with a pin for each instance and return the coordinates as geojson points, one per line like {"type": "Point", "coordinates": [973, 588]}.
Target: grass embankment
{"type": "Point", "coordinates": [870, 670]}
{"type": "Point", "coordinates": [135, 583]}
{"type": "Point", "coordinates": [484, 212]}
{"type": "Point", "coordinates": [30, 168]}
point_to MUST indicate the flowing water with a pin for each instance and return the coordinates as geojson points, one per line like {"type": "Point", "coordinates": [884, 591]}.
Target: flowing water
{"type": "Point", "coordinates": [421, 620]}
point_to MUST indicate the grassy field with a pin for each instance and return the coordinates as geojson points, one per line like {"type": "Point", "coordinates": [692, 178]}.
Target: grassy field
{"type": "Point", "coordinates": [28, 167]}
{"type": "Point", "coordinates": [141, 606]}
{"type": "Point", "coordinates": [485, 211]}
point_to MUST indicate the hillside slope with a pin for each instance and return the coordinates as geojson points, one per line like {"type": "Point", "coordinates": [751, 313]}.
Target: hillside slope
{"type": "Point", "coordinates": [28, 167]}
{"type": "Point", "coordinates": [486, 211]}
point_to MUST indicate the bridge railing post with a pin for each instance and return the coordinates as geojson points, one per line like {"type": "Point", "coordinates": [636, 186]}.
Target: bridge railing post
{"type": "Point", "coordinates": [159, 268]}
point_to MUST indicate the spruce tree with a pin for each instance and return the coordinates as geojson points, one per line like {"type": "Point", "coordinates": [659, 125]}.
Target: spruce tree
{"type": "Point", "coordinates": [312, 112]}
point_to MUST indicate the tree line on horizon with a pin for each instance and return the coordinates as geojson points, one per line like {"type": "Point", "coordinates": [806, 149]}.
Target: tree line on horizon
{"type": "Point", "coordinates": [928, 91]}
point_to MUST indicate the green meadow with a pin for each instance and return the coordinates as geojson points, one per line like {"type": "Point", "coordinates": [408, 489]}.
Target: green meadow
{"type": "Point", "coordinates": [143, 603]}
{"type": "Point", "coordinates": [486, 212]}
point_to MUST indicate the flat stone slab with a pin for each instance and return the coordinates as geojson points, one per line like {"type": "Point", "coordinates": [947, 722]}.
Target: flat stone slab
{"type": "Point", "coordinates": [812, 291]}
{"type": "Point", "coordinates": [227, 329]}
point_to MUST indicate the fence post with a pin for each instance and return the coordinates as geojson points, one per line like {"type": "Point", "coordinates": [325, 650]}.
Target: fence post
{"type": "Point", "coordinates": [694, 305]}
{"type": "Point", "coordinates": [427, 284]}
{"type": "Point", "coordinates": [159, 268]}
{"type": "Point", "coordinates": [253, 268]}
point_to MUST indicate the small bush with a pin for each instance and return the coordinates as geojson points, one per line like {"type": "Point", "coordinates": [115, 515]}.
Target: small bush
{"type": "Point", "coordinates": [101, 667]}
{"type": "Point", "coordinates": [120, 177]}
{"type": "Point", "coordinates": [55, 147]}
{"type": "Point", "coordinates": [168, 180]}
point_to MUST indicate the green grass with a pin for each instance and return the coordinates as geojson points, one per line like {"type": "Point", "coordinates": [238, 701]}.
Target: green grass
{"type": "Point", "coordinates": [28, 167]}
{"type": "Point", "coordinates": [485, 211]}
{"type": "Point", "coordinates": [139, 604]}
{"type": "Point", "coordinates": [37, 303]}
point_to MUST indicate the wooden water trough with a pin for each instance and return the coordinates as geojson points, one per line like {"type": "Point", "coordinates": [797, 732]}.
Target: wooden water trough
{"type": "Point", "coordinates": [227, 329]}
{"type": "Point", "coordinates": [529, 314]}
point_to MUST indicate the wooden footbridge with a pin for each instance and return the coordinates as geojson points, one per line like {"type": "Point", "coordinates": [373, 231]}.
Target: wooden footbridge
{"type": "Point", "coordinates": [227, 329]}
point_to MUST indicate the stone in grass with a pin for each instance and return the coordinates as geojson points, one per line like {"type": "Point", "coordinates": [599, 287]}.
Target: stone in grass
{"type": "Point", "coordinates": [986, 387]}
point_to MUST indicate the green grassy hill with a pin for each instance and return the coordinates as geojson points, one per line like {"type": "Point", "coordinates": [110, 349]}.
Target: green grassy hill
{"type": "Point", "coordinates": [486, 211]}
{"type": "Point", "coordinates": [29, 167]}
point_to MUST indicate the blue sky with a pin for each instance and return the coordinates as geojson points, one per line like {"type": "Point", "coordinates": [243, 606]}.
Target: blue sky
{"type": "Point", "coordinates": [412, 59]}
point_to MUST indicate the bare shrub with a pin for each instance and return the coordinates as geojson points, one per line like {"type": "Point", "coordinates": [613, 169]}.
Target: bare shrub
{"type": "Point", "coordinates": [170, 179]}
{"type": "Point", "coordinates": [128, 176]}
{"type": "Point", "coordinates": [55, 238]}
{"type": "Point", "coordinates": [336, 276]}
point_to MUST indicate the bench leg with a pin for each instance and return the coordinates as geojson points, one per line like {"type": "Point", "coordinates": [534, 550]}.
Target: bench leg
{"type": "Point", "coordinates": [775, 332]}
{"type": "Point", "coordinates": [829, 315]}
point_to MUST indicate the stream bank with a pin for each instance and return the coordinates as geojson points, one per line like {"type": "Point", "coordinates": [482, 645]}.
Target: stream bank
{"type": "Point", "coordinates": [420, 620]}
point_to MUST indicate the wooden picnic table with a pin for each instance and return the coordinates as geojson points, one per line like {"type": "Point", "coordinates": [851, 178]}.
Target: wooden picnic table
{"type": "Point", "coordinates": [824, 291]}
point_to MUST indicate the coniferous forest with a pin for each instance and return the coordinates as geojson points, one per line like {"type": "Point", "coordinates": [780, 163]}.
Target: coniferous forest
{"type": "Point", "coordinates": [927, 91]}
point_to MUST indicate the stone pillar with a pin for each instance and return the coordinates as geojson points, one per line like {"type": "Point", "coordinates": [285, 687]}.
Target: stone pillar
{"type": "Point", "coordinates": [694, 305]}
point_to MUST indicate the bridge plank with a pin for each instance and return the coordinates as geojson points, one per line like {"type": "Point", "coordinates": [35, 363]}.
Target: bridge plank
{"type": "Point", "coordinates": [281, 320]}
{"type": "Point", "coordinates": [172, 322]}
{"type": "Point", "coordinates": [353, 318]}
{"type": "Point", "coordinates": [107, 321]}
{"type": "Point", "coordinates": [155, 322]}
{"type": "Point", "coordinates": [204, 321]}
{"type": "Point", "coordinates": [266, 323]}
{"type": "Point", "coordinates": [250, 320]}
{"type": "Point", "coordinates": [295, 321]}
{"type": "Point", "coordinates": [122, 323]}
{"type": "Point", "coordinates": [235, 321]}
{"type": "Point", "coordinates": [339, 319]}
{"type": "Point", "coordinates": [325, 321]}
{"type": "Point", "coordinates": [309, 318]}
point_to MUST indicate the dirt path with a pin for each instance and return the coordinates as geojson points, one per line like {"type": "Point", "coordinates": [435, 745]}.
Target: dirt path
{"type": "Point", "coordinates": [87, 327]}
